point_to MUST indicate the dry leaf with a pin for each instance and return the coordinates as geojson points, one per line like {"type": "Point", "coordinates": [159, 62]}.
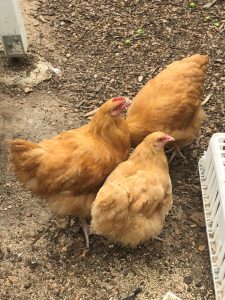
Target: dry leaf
{"type": "Point", "coordinates": [198, 218]}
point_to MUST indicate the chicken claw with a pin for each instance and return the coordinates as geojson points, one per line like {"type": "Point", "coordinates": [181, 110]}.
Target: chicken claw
{"type": "Point", "coordinates": [176, 150]}
{"type": "Point", "coordinates": [86, 230]}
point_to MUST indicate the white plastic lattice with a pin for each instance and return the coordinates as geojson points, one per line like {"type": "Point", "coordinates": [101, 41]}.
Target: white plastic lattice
{"type": "Point", "coordinates": [212, 175]}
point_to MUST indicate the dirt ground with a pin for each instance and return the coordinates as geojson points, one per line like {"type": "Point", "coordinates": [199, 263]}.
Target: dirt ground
{"type": "Point", "coordinates": [86, 41]}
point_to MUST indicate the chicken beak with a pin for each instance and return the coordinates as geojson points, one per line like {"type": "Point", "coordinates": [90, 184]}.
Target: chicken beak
{"type": "Point", "coordinates": [170, 139]}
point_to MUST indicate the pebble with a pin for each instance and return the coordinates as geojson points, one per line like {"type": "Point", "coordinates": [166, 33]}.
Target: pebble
{"type": "Point", "coordinates": [188, 279]}
{"type": "Point", "coordinates": [27, 90]}
{"type": "Point", "coordinates": [12, 279]}
{"type": "Point", "coordinates": [140, 78]}
{"type": "Point", "coordinates": [53, 286]}
{"type": "Point", "coordinates": [27, 285]}
{"type": "Point", "coordinates": [198, 284]}
{"type": "Point", "coordinates": [33, 263]}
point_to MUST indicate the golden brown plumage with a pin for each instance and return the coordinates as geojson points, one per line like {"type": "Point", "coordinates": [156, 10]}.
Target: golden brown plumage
{"type": "Point", "coordinates": [69, 169]}
{"type": "Point", "coordinates": [132, 204]}
{"type": "Point", "coordinates": [170, 102]}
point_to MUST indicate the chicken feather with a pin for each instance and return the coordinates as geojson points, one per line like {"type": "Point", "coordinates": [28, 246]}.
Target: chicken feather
{"type": "Point", "coordinates": [131, 206]}
{"type": "Point", "coordinates": [69, 169]}
{"type": "Point", "coordinates": [170, 102]}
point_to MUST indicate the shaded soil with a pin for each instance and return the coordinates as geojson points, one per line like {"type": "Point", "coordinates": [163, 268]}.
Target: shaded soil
{"type": "Point", "coordinates": [85, 40]}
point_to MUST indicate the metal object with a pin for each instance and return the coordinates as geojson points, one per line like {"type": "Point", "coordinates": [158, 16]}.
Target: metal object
{"type": "Point", "coordinates": [12, 29]}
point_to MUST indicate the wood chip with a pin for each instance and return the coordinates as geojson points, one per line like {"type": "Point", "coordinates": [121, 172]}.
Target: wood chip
{"type": "Point", "coordinates": [202, 248]}
{"type": "Point", "coordinates": [43, 20]}
{"type": "Point", "coordinates": [208, 5]}
{"type": "Point", "coordinates": [77, 297]}
{"type": "Point", "coordinates": [140, 78]}
{"type": "Point", "coordinates": [198, 218]}
{"type": "Point", "coordinates": [206, 99]}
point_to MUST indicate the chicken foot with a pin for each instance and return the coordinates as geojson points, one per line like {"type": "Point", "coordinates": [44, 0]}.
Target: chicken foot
{"type": "Point", "coordinates": [176, 150]}
{"type": "Point", "coordinates": [86, 230]}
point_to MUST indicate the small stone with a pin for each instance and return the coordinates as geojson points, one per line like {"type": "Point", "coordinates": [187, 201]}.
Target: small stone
{"type": "Point", "coordinates": [68, 55]}
{"type": "Point", "coordinates": [195, 153]}
{"type": "Point", "coordinates": [28, 90]}
{"type": "Point", "coordinates": [51, 12]}
{"type": "Point", "coordinates": [33, 263]}
{"type": "Point", "coordinates": [12, 279]}
{"type": "Point", "coordinates": [140, 78]}
{"type": "Point", "coordinates": [43, 20]}
{"type": "Point", "coordinates": [188, 279]}
{"type": "Point", "coordinates": [27, 285]}
{"type": "Point", "coordinates": [53, 286]}
{"type": "Point", "coordinates": [198, 284]}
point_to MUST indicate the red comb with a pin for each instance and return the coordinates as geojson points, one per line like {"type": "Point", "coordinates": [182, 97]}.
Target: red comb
{"type": "Point", "coordinates": [119, 99]}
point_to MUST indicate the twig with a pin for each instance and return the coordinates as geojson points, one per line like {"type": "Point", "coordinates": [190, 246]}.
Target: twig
{"type": "Point", "coordinates": [155, 70]}
{"type": "Point", "coordinates": [136, 271]}
{"type": "Point", "coordinates": [159, 239]}
{"type": "Point", "coordinates": [43, 232]}
{"type": "Point", "coordinates": [208, 5]}
{"type": "Point", "coordinates": [206, 99]}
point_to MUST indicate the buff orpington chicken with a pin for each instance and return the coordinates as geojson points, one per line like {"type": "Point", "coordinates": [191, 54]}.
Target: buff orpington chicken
{"type": "Point", "coordinates": [68, 169]}
{"type": "Point", "coordinates": [131, 206]}
{"type": "Point", "coordinates": [171, 102]}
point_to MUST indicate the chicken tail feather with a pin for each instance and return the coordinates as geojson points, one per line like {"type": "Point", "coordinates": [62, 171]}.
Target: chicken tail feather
{"type": "Point", "coordinates": [24, 158]}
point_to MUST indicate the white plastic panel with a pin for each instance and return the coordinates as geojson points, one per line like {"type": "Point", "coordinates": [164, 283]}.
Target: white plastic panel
{"type": "Point", "coordinates": [212, 176]}
{"type": "Point", "coordinates": [12, 31]}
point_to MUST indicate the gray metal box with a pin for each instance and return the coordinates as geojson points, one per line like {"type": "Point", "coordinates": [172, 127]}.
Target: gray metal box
{"type": "Point", "coordinates": [12, 29]}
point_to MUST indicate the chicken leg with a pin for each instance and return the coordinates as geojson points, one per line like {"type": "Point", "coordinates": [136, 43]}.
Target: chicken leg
{"type": "Point", "coordinates": [86, 230]}
{"type": "Point", "coordinates": [176, 149]}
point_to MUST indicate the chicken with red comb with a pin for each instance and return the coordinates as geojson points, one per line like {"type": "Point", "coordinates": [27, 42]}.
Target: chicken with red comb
{"type": "Point", "coordinates": [131, 206]}
{"type": "Point", "coordinates": [69, 169]}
